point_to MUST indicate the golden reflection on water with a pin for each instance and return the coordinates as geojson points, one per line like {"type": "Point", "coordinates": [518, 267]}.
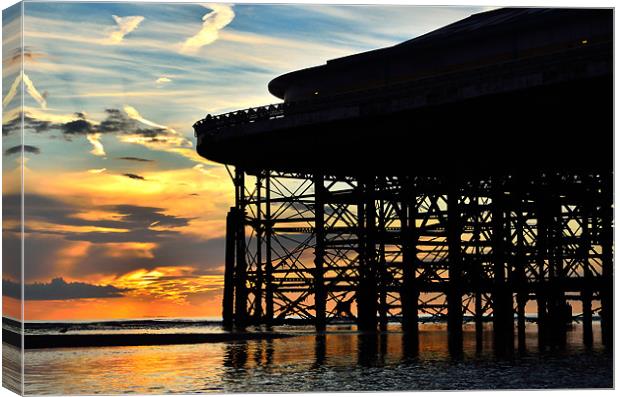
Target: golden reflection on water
{"type": "Point", "coordinates": [115, 370]}
{"type": "Point", "coordinates": [249, 365]}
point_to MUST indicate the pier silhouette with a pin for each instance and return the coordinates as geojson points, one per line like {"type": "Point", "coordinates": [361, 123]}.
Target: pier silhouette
{"type": "Point", "coordinates": [464, 175]}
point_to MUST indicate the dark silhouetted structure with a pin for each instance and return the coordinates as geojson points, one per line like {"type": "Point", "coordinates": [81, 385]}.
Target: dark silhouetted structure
{"type": "Point", "coordinates": [464, 174]}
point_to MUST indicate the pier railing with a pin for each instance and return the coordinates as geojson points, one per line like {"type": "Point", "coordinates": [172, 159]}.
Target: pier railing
{"type": "Point", "coordinates": [213, 123]}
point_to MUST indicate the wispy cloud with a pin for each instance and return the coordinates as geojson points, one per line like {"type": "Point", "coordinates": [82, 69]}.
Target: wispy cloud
{"type": "Point", "coordinates": [126, 25]}
{"type": "Point", "coordinates": [34, 93]}
{"type": "Point", "coordinates": [30, 88]}
{"type": "Point", "coordinates": [46, 116]}
{"type": "Point", "coordinates": [220, 16]}
{"type": "Point", "coordinates": [167, 139]}
{"type": "Point", "coordinates": [95, 140]}
{"type": "Point", "coordinates": [135, 115]}
{"type": "Point", "coordinates": [97, 170]}
{"type": "Point", "coordinates": [12, 91]}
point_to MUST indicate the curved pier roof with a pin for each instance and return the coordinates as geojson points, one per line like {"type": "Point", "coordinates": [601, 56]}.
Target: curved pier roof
{"type": "Point", "coordinates": [481, 39]}
{"type": "Point", "coordinates": [506, 91]}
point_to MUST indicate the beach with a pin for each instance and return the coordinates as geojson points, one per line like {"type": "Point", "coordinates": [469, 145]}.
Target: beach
{"type": "Point", "coordinates": [340, 359]}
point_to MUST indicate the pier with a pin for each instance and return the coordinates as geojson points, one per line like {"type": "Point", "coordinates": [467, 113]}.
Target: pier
{"type": "Point", "coordinates": [465, 175]}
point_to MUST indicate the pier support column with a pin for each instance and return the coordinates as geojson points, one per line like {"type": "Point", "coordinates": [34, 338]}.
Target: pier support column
{"type": "Point", "coordinates": [586, 290]}
{"type": "Point", "coordinates": [503, 317]}
{"type": "Point", "coordinates": [521, 302]}
{"type": "Point", "coordinates": [241, 291]}
{"type": "Point", "coordinates": [367, 289]}
{"type": "Point", "coordinates": [382, 268]}
{"type": "Point", "coordinates": [268, 263]}
{"type": "Point", "coordinates": [607, 241]}
{"type": "Point", "coordinates": [229, 268]}
{"type": "Point", "coordinates": [520, 276]}
{"type": "Point", "coordinates": [557, 308]}
{"type": "Point", "coordinates": [258, 296]}
{"type": "Point", "coordinates": [542, 251]}
{"type": "Point", "coordinates": [319, 252]}
{"type": "Point", "coordinates": [478, 272]}
{"type": "Point", "coordinates": [586, 301]}
{"type": "Point", "coordinates": [409, 290]}
{"type": "Point", "coordinates": [455, 287]}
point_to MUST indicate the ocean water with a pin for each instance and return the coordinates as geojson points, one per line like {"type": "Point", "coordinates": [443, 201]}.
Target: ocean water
{"type": "Point", "coordinates": [340, 360]}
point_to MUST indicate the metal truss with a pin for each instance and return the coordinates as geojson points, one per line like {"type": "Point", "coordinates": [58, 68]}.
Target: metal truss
{"type": "Point", "coordinates": [321, 249]}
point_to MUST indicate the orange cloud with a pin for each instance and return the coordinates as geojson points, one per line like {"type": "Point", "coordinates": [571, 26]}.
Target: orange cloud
{"type": "Point", "coordinates": [131, 249]}
{"type": "Point", "coordinates": [167, 283]}
{"type": "Point", "coordinates": [46, 227]}
{"type": "Point", "coordinates": [182, 191]}
{"type": "Point", "coordinates": [70, 256]}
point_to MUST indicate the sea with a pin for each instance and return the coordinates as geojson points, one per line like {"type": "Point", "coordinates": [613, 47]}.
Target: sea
{"type": "Point", "coordinates": [341, 359]}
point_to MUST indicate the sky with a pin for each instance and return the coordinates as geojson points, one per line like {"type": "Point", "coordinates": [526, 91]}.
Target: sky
{"type": "Point", "coordinates": [123, 219]}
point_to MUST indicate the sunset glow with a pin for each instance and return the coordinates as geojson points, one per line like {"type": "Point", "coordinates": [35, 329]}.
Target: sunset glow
{"type": "Point", "coordinates": [118, 201]}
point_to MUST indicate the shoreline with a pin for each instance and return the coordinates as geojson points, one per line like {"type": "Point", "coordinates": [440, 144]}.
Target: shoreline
{"type": "Point", "coordinates": [12, 335]}
{"type": "Point", "coordinates": [106, 340]}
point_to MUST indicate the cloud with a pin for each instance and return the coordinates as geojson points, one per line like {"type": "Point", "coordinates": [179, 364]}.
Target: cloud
{"type": "Point", "coordinates": [34, 93]}
{"type": "Point", "coordinates": [201, 168]}
{"type": "Point", "coordinates": [97, 170]}
{"type": "Point", "coordinates": [44, 210]}
{"type": "Point", "coordinates": [206, 256]}
{"type": "Point", "coordinates": [133, 114]}
{"type": "Point", "coordinates": [79, 126]}
{"type": "Point", "coordinates": [20, 55]}
{"type": "Point", "coordinates": [129, 223]}
{"type": "Point", "coordinates": [59, 289]}
{"type": "Point", "coordinates": [37, 121]}
{"type": "Point", "coordinates": [174, 283]}
{"type": "Point", "coordinates": [126, 25]}
{"type": "Point", "coordinates": [135, 176]}
{"type": "Point", "coordinates": [12, 91]}
{"type": "Point", "coordinates": [10, 125]}
{"type": "Point", "coordinates": [163, 80]}
{"type": "Point", "coordinates": [94, 139]}
{"type": "Point", "coordinates": [116, 122]}
{"type": "Point", "coordinates": [18, 149]}
{"type": "Point", "coordinates": [78, 239]}
{"type": "Point", "coordinates": [138, 159]}
{"type": "Point", "coordinates": [30, 88]}
{"type": "Point", "coordinates": [137, 224]}
{"type": "Point", "coordinates": [220, 16]}
{"type": "Point", "coordinates": [158, 137]}
{"type": "Point", "coordinates": [128, 125]}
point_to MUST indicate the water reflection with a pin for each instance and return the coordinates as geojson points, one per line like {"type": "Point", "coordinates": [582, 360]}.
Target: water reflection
{"type": "Point", "coordinates": [367, 350]}
{"type": "Point", "coordinates": [236, 355]}
{"type": "Point", "coordinates": [340, 359]}
{"type": "Point", "coordinates": [320, 350]}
